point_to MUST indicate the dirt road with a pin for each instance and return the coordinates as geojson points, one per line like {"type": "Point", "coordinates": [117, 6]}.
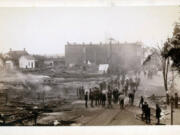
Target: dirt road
{"type": "Point", "coordinates": [114, 116]}
{"type": "Point", "coordinates": [99, 116]}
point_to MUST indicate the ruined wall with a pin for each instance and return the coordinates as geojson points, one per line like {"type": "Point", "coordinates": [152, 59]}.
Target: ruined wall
{"type": "Point", "coordinates": [73, 54]}
{"type": "Point", "coordinates": [79, 54]}
{"type": "Point", "coordinates": [127, 55]}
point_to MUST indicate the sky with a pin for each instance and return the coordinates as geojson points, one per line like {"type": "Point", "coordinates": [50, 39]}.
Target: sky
{"type": "Point", "coordinates": [46, 30]}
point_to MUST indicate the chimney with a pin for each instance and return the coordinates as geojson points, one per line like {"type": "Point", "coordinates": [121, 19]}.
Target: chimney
{"type": "Point", "coordinates": [10, 49]}
{"type": "Point", "coordinates": [24, 49]}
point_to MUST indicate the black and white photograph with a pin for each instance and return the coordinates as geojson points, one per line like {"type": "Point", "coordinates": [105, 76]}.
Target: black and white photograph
{"type": "Point", "coordinates": [102, 65]}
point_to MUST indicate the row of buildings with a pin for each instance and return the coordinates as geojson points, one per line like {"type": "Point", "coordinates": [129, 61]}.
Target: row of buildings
{"type": "Point", "coordinates": [116, 56]}
{"type": "Point", "coordinates": [21, 59]}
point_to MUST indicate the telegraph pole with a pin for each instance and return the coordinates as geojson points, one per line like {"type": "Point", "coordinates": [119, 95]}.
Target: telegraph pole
{"type": "Point", "coordinates": [172, 99]}
{"type": "Point", "coordinates": [110, 58]}
{"type": "Point", "coordinates": [84, 63]}
{"type": "Point", "coordinates": [172, 111]}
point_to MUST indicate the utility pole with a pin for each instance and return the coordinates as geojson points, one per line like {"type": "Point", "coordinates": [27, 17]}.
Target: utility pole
{"type": "Point", "coordinates": [110, 58]}
{"type": "Point", "coordinates": [172, 111]}
{"type": "Point", "coordinates": [172, 99]}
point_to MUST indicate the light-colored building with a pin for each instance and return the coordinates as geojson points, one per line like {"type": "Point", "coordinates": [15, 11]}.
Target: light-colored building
{"type": "Point", "coordinates": [9, 64]}
{"type": "Point", "coordinates": [27, 62]}
{"type": "Point", "coordinates": [103, 68]}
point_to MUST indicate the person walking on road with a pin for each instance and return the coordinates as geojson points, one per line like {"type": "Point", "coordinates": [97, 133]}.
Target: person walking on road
{"type": "Point", "coordinates": [86, 100]}
{"type": "Point", "coordinates": [176, 100]}
{"type": "Point", "coordinates": [146, 113]}
{"type": "Point", "coordinates": [141, 102]}
{"type": "Point", "coordinates": [133, 96]}
{"type": "Point", "coordinates": [121, 101]}
{"type": "Point", "coordinates": [91, 97]}
{"type": "Point", "coordinates": [158, 114]}
{"type": "Point", "coordinates": [144, 108]}
{"type": "Point", "coordinates": [109, 95]}
{"type": "Point", "coordinates": [103, 99]}
{"type": "Point", "coordinates": [148, 119]}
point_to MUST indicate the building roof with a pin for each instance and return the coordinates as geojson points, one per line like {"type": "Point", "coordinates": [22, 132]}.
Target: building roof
{"type": "Point", "coordinates": [28, 57]}
{"type": "Point", "coordinates": [16, 54]}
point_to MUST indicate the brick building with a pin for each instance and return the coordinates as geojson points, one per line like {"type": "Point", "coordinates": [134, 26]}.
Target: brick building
{"type": "Point", "coordinates": [120, 56]}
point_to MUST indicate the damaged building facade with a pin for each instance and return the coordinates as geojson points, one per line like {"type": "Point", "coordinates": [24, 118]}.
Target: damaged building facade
{"type": "Point", "coordinates": [119, 56]}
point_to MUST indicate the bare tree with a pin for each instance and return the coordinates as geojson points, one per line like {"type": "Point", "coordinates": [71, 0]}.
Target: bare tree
{"type": "Point", "coordinates": [165, 64]}
{"type": "Point", "coordinates": [165, 67]}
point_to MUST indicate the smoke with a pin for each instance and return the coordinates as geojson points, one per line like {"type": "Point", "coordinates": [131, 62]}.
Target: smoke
{"type": "Point", "coordinates": [24, 81]}
{"type": "Point", "coordinates": [42, 88]}
{"type": "Point", "coordinates": [16, 76]}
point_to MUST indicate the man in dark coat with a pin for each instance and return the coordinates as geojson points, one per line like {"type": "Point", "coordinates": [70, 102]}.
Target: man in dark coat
{"type": "Point", "coordinates": [158, 114]}
{"type": "Point", "coordinates": [91, 97]}
{"type": "Point", "coordinates": [146, 113]}
{"type": "Point", "coordinates": [133, 96]}
{"type": "Point", "coordinates": [96, 97]}
{"type": "Point", "coordinates": [109, 95]}
{"type": "Point", "coordinates": [148, 118]}
{"type": "Point", "coordinates": [144, 109]}
{"type": "Point", "coordinates": [121, 101]}
{"type": "Point", "coordinates": [141, 102]}
{"type": "Point", "coordinates": [100, 97]}
{"type": "Point", "coordinates": [114, 95]}
{"type": "Point", "coordinates": [176, 100]}
{"type": "Point", "coordinates": [103, 99]}
{"type": "Point", "coordinates": [86, 99]}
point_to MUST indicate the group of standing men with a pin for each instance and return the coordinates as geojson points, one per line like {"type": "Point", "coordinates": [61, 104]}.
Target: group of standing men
{"type": "Point", "coordinates": [96, 97]}
{"type": "Point", "coordinates": [116, 91]}
{"type": "Point", "coordinates": [174, 100]}
{"type": "Point", "coordinates": [99, 98]}
{"type": "Point", "coordinates": [146, 112]}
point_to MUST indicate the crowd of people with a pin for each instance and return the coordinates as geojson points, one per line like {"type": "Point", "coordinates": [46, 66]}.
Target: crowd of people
{"type": "Point", "coordinates": [113, 91]}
